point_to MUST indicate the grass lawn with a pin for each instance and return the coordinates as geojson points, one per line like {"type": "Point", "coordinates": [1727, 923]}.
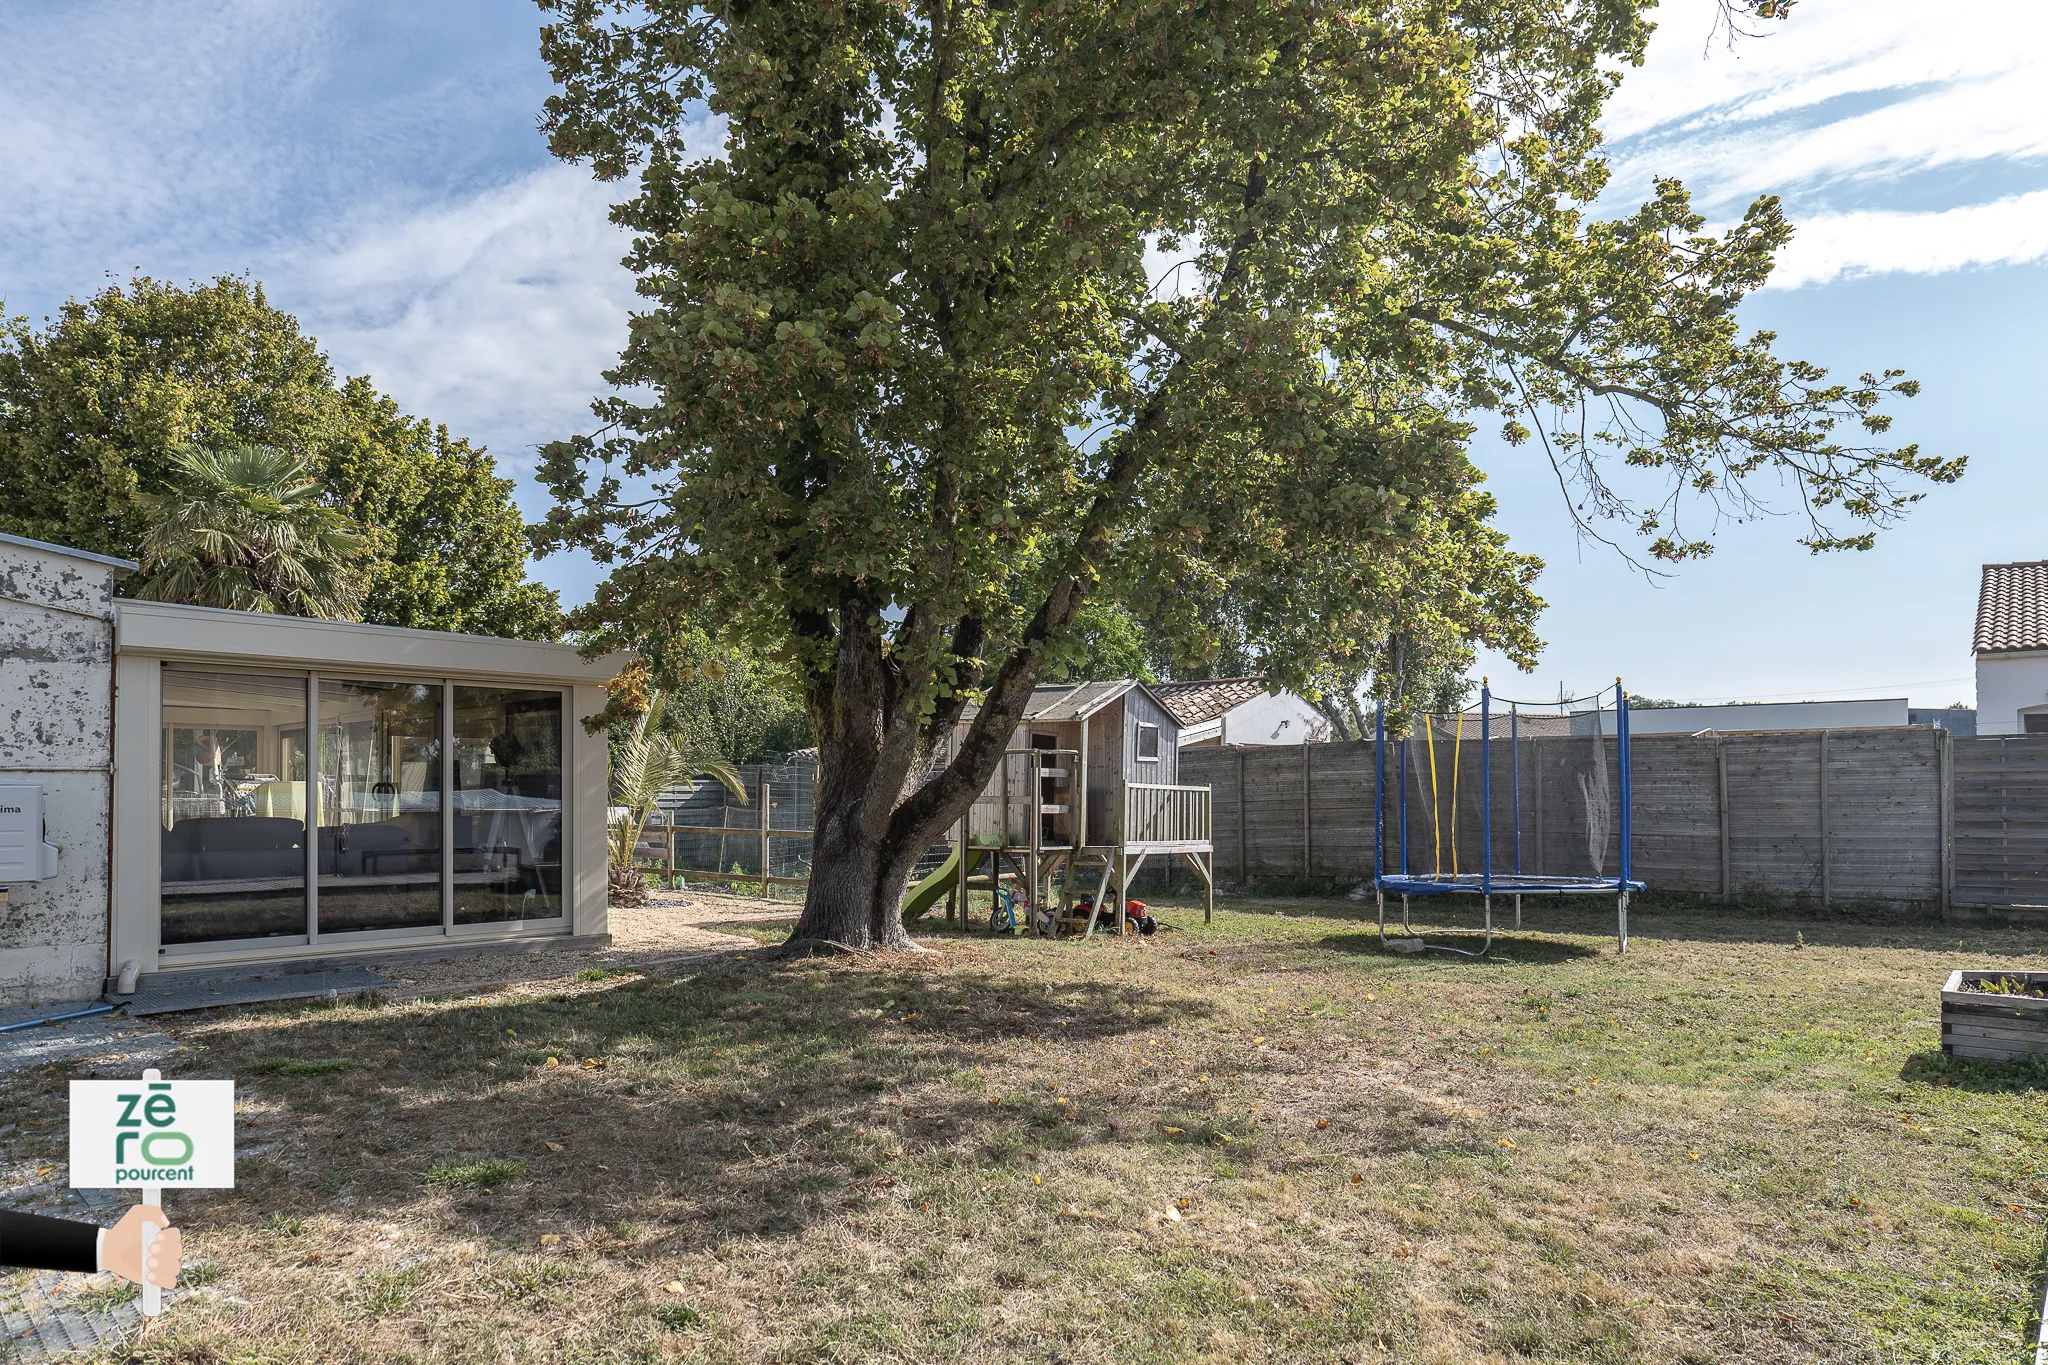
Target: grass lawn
{"type": "Point", "coordinates": [1263, 1140]}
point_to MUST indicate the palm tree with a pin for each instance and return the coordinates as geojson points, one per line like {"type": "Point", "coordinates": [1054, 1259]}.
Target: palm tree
{"type": "Point", "coordinates": [649, 763]}
{"type": "Point", "coordinates": [244, 527]}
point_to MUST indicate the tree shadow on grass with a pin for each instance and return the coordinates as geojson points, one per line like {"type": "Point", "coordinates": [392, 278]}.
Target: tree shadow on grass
{"type": "Point", "coordinates": [744, 1101]}
{"type": "Point", "coordinates": [1509, 949]}
{"type": "Point", "coordinates": [1978, 1075]}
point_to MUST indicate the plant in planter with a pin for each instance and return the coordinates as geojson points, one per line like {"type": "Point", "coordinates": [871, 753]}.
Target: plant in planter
{"type": "Point", "coordinates": [1996, 1015]}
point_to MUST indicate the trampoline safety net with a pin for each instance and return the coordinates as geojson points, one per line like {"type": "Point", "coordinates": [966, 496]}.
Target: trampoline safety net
{"type": "Point", "coordinates": [1510, 798]}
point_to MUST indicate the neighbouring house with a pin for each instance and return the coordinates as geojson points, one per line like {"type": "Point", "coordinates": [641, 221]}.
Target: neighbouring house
{"type": "Point", "coordinates": [196, 825]}
{"type": "Point", "coordinates": [2011, 647]}
{"type": "Point", "coordinates": [1215, 711]}
{"type": "Point", "coordinates": [1960, 721]}
{"type": "Point", "coordinates": [1752, 716]}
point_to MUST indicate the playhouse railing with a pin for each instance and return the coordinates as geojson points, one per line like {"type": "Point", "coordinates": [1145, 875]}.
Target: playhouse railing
{"type": "Point", "coordinates": [1156, 813]}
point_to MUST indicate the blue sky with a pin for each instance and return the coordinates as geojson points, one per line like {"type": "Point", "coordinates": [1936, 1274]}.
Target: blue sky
{"type": "Point", "coordinates": [376, 165]}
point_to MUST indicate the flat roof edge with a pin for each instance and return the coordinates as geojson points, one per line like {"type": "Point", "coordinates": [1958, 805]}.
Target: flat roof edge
{"type": "Point", "coordinates": [174, 629]}
{"type": "Point", "coordinates": [69, 552]}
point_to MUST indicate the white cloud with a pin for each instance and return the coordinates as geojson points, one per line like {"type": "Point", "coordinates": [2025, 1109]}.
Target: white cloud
{"type": "Point", "coordinates": [496, 314]}
{"type": "Point", "coordinates": [1834, 110]}
{"type": "Point", "coordinates": [131, 134]}
{"type": "Point", "coordinates": [2011, 231]}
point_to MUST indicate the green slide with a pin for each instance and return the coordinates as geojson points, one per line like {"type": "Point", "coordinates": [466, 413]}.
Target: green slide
{"type": "Point", "coordinates": [933, 889]}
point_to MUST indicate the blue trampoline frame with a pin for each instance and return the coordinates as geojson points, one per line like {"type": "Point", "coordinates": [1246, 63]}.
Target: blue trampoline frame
{"type": "Point", "coordinates": [1486, 883]}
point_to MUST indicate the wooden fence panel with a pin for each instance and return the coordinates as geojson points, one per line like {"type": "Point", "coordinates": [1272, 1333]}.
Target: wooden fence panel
{"type": "Point", "coordinates": [1273, 811]}
{"type": "Point", "coordinates": [1883, 832]}
{"type": "Point", "coordinates": [1884, 815]}
{"type": "Point", "coordinates": [1677, 817]}
{"type": "Point", "coordinates": [1340, 805]}
{"type": "Point", "coordinates": [1774, 814]}
{"type": "Point", "coordinates": [2001, 821]}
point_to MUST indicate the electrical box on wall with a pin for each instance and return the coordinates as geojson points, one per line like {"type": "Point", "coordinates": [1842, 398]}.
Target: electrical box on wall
{"type": "Point", "coordinates": [24, 857]}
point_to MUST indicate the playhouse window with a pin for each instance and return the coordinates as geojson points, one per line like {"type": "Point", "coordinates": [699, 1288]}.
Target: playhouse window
{"type": "Point", "coordinates": [1148, 743]}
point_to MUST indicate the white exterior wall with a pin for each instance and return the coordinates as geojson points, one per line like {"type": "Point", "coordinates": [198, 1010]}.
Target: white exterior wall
{"type": "Point", "coordinates": [1265, 719]}
{"type": "Point", "coordinates": [2007, 685]}
{"type": "Point", "coordinates": [1793, 715]}
{"type": "Point", "coordinates": [56, 728]}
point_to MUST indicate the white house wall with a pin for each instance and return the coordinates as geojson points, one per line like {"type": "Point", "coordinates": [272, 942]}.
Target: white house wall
{"type": "Point", "coordinates": [56, 718]}
{"type": "Point", "coordinates": [1787, 715]}
{"type": "Point", "coordinates": [1264, 719]}
{"type": "Point", "coordinates": [2008, 684]}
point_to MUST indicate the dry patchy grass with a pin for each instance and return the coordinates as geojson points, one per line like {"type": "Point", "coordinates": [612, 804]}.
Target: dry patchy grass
{"type": "Point", "coordinates": [1264, 1140]}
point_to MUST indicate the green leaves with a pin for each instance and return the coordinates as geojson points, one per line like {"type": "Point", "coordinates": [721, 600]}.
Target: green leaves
{"type": "Point", "coordinates": [987, 312]}
{"type": "Point", "coordinates": [245, 528]}
{"type": "Point", "coordinates": [94, 407]}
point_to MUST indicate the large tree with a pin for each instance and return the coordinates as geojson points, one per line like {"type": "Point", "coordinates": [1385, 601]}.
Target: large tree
{"type": "Point", "coordinates": [94, 406]}
{"type": "Point", "coordinates": [985, 310]}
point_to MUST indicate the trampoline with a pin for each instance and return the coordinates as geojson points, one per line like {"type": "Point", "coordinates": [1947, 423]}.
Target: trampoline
{"type": "Point", "coordinates": [1569, 746]}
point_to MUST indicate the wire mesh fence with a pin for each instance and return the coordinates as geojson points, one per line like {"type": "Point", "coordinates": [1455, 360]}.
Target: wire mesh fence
{"type": "Point", "coordinates": [709, 834]}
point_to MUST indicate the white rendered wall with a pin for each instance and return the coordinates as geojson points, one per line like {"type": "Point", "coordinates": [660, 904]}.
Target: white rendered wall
{"type": "Point", "coordinates": [56, 727]}
{"type": "Point", "coordinates": [2006, 685]}
{"type": "Point", "coordinates": [1792, 715]}
{"type": "Point", "coordinates": [1265, 719]}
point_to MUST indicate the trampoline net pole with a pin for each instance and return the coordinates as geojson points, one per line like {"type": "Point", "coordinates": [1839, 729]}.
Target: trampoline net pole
{"type": "Point", "coordinates": [1404, 807]}
{"type": "Point", "coordinates": [1485, 788]}
{"type": "Point", "coordinates": [1515, 756]}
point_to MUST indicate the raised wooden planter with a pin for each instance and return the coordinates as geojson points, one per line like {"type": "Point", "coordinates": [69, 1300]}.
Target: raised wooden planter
{"type": "Point", "coordinates": [1991, 1024]}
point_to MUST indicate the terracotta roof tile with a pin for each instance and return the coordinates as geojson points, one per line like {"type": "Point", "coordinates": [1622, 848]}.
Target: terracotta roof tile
{"type": "Point", "coordinates": [2012, 607]}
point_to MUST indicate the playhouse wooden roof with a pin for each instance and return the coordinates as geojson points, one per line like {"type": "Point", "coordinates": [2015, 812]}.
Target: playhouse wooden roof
{"type": "Point", "coordinates": [1075, 700]}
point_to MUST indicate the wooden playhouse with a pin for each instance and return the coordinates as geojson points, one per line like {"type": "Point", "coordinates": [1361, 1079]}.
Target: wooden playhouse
{"type": "Point", "coordinates": [1088, 790]}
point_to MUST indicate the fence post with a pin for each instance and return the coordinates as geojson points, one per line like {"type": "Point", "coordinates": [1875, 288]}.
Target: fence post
{"type": "Point", "coordinates": [767, 890]}
{"type": "Point", "coordinates": [1721, 765]}
{"type": "Point", "coordinates": [668, 819]}
{"type": "Point", "coordinates": [1826, 886]}
{"type": "Point", "coordinates": [1945, 789]}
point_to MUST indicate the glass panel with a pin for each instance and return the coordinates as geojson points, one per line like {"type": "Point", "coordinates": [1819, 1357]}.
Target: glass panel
{"type": "Point", "coordinates": [508, 804]}
{"type": "Point", "coordinates": [380, 805]}
{"type": "Point", "coordinates": [234, 825]}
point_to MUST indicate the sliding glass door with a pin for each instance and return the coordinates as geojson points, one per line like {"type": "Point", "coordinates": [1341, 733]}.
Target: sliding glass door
{"type": "Point", "coordinates": [234, 824]}
{"type": "Point", "coordinates": [508, 804]}
{"type": "Point", "coordinates": [380, 806]}
{"type": "Point", "coordinates": [425, 804]}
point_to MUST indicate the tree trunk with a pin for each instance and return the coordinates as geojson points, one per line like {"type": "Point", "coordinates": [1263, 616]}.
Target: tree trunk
{"type": "Point", "coordinates": [858, 871]}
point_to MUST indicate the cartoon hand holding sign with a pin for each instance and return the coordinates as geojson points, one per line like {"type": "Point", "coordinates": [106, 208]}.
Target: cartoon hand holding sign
{"type": "Point", "coordinates": [38, 1243]}
{"type": "Point", "coordinates": [144, 1135]}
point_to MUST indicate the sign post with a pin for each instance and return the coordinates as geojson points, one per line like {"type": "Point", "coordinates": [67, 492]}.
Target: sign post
{"type": "Point", "coordinates": [146, 1134]}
